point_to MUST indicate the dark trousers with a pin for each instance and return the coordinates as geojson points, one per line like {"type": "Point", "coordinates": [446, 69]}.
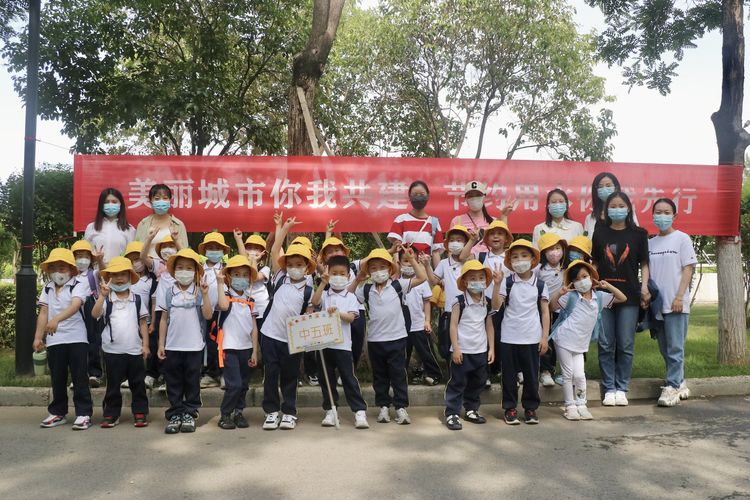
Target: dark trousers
{"type": "Point", "coordinates": [236, 379]}
{"type": "Point", "coordinates": [496, 365]}
{"type": "Point", "coordinates": [62, 358]}
{"type": "Point", "coordinates": [310, 362]}
{"type": "Point", "coordinates": [358, 328]}
{"type": "Point", "coordinates": [466, 383]}
{"type": "Point", "coordinates": [339, 360]}
{"type": "Point", "coordinates": [420, 341]}
{"type": "Point", "coordinates": [211, 366]}
{"type": "Point", "coordinates": [388, 363]}
{"type": "Point", "coordinates": [548, 360]}
{"type": "Point", "coordinates": [281, 371]}
{"type": "Point", "coordinates": [94, 362]}
{"type": "Point", "coordinates": [121, 367]}
{"type": "Point", "coordinates": [444, 336]}
{"type": "Point", "coordinates": [154, 366]}
{"type": "Point", "coordinates": [522, 358]}
{"type": "Point", "coordinates": [182, 372]}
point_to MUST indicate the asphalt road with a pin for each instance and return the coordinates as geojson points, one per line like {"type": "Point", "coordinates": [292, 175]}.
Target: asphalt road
{"type": "Point", "coordinates": [700, 449]}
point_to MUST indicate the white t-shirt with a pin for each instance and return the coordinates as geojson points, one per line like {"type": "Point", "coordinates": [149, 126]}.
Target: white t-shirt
{"type": "Point", "coordinates": [386, 320]}
{"type": "Point", "coordinates": [111, 238]}
{"type": "Point", "coordinates": [521, 322]}
{"type": "Point", "coordinates": [667, 256]}
{"type": "Point", "coordinates": [166, 281]}
{"type": "Point", "coordinates": [567, 229]}
{"type": "Point", "coordinates": [415, 299]}
{"type": "Point", "coordinates": [490, 262]}
{"type": "Point", "coordinates": [73, 329]}
{"type": "Point", "coordinates": [347, 303]}
{"type": "Point", "coordinates": [238, 326]}
{"type": "Point", "coordinates": [123, 335]}
{"type": "Point", "coordinates": [448, 270]}
{"type": "Point", "coordinates": [143, 288]}
{"type": "Point", "coordinates": [185, 329]}
{"type": "Point", "coordinates": [552, 277]}
{"type": "Point", "coordinates": [472, 331]}
{"type": "Point", "coordinates": [287, 303]}
{"type": "Point", "coordinates": [84, 278]}
{"type": "Point", "coordinates": [259, 291]}
{"type": "Point", "coordinates": [574, 333]}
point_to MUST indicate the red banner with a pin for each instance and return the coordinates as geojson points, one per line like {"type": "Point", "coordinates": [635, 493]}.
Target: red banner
{"type": "Point", "coordinates": [365, 194]}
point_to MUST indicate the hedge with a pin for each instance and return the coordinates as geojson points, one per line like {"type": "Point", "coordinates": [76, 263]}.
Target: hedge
{"type": "Point", "coordinates": [8, 315]}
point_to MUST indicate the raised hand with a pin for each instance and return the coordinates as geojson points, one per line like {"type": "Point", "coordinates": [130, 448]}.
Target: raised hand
{"type": "Point", "coordinates": [497, 275]}
{"type": "Point", "coordinates": [174, 232]}
{"type": "Point", "coordinates": [152, 232]}
{"type": "Point", "coordinates": [104, 288]}
{"type": "Point", "coordinates": [291, 222]}
{"type": "Point", "coordinates": [237, 233]}
{"type": "Point", "coordinates": [331, 225]}
{"type": "Point", "coordinates": [219, 274]}
{"type": "Point", "coordinates": [204, 284]}
{"type": "Point", "coordinates": [473, 235]}
{"type": "Point", "coordinates": [277, 218]}
{"type": "Point", "coordinates": [324, 277]}
{"type": "Point", "coordinates": [508, 205]}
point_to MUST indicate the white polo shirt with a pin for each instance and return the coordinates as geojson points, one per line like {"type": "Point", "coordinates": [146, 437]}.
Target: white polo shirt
{"type": "Point", "coordinates": [73, 329]}
{"type": "Point", "coordinates": [166, 281]}
{"type": "Point", "coordinates": [415, 299]}
{"type": "Point", "coordinates": [472, 331]}
{"type": "Point", "coordinates": [491, 261]}
{"type": "Point", "coordinates": [552, 277]}
{"type": "Point", "coordinates": [574, 333]}
{"type": "Point", "coordinates": [238, 326]}
{"type": "Point", "coordinates": [521, 322]}
{"type": "Point", "coordinates": [386, 321]}
{"type": "Point", "coordinates": [352, 278]}
{"type": "Point", "coordinates": [287, 303]}
{"type": "Point", "coordinates": [448, 270]}
{"type": "Point", "coordinates": [185, 330]}
{"type": "Point", "coordinates": [83, 277]}
{"type": "Point", "coordinates": [123, 335]}
{"type": "Point", "coordinates": [259, 291]}
{"type": "Point", "coordinates": [347, 303]}
{"type": "Point", "coordinates": [143, 288]}
{"type": "Point", "coordinates": [213, 290]}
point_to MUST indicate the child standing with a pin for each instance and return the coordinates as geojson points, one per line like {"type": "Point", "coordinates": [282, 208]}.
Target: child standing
{"type": "Point", "coordinates": [84, 255]}
{"type": "Point", "coordinates": [61, 322]}
{"type": "Point", "coordinates": [124, 340]}
{"type": "Point", "coordinates": [579, 248]}
{"type": "Point", "coordinates": [214, 248]}
{"type": "Point", "coordinates": [254, 248]}
{"type": "Point", "coordinates": [552, 251]}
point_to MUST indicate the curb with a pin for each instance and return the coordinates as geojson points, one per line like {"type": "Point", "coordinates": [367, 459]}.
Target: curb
{"type": "Point", "coordinates": [311, 397]}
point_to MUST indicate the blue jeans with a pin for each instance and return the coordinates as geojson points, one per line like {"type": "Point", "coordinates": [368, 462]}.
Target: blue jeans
{"type": "Point", "coordinates": [616, 346]}
{"type": "Point", "coordinates": [672, 346]}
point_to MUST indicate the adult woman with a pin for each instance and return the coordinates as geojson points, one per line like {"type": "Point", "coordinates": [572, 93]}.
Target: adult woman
{"type": "Point", "coordinates": [557, 220]}
{"type": "Point", "coordinates": [110, 232]}
{"type": "Point", "coordinates": [620, 250]}
{"type": "Point", "coordinates": [672, 262]}
{"type": "Point", "coordinates": [602, 187]}
{"type": "Point", "coordinates": [477, 218]}
{"type": "Point", "coordinates": [417, 229]}
{"type": "Point", "coordinates": [160, 197]}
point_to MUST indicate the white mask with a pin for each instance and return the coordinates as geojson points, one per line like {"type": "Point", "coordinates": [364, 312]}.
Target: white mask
{"type": "Point", "coordinates": [338, 282]}
{"type": "Point", "coordinates": [380, 276]}
{"type": "Point", "coordinates": [455, 247]}
{"type": "Point", "coordinates": [554, 256]}
{"type": "Point", "coordinates": [253, 253]}
{"type": "Point", "coordinates": [296, 273]}
{"type": "Point", "coordinates": [476, 286]}
{"type": "Point", "coordinates": [83, 263]}
{"type": "Point", "coordinates": [407, 271]}
{"type": "Point", "coordinates": [521, 266]}
{"type": "Point", "coordinates": [475, 203]}
{"type": "Point", "coordinates": [60, 278]}
{"type": "Point", "coordinates": [138, 266]}
{"type": "Point", "coordinates": [166, 253]}
{"type": "Point", "coordinates": [184, 278]}
{"type": "Point", "coordinates": [583, 285]}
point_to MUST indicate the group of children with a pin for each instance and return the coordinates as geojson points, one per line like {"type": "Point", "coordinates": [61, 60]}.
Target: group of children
{"type": "Point", "coordinates": [173, 312]}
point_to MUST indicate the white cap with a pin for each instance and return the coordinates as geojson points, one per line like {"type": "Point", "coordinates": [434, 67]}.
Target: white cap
{"type": "Point", "coordinates": [476, 186]}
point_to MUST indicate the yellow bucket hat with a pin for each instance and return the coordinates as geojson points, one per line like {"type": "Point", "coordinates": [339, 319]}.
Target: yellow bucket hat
{"type": "Point", "coordinates": [133, 247]}
{"type": "Point", "coordinates": [60, 255]}
{"type": "Point", "coordinates": [334, 242]}
{"type": "Point", "coordinates": [582, 243]}
{"type": "Point", "coordinates": [239, 261]}
{"type": "Point", "coordinates": [302, 240]}
{"type": "Point", "coordinates": [458, 228]}
{"type": "Point", "coordinates": [473, 265]}
{"type": "Point", "coordinates": [186, 253]}
{"type": "Point", "coordinates": [498, 224]}
{"type": "Point", "coordinates": [82, 245]}
{"type": "Point", "coordinates": [522, 243]}
{"type": "Point", "coordinates": [255, 239]}
{"type": "Point", "coordinates": [165, 240]}
{"type": "Point", "coordinates": [118, 265]}
{"type": "Point", "coordinates": [594, 274]}
{"type": "Point", "coordinates": [301, 251]}
{"type": "Point", "coordinates": [380, 253]}
{"type": "Point", "coordinates": [213, 237]}
{"type": "Point", "coordinates": [548, 240]}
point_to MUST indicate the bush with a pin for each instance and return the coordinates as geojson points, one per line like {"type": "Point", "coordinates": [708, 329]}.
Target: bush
{"type": "Point", "coordinates": [8, 315]}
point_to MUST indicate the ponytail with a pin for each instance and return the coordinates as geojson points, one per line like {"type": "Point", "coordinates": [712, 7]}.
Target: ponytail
{"type": "Point", "coordinates": [487, 217]}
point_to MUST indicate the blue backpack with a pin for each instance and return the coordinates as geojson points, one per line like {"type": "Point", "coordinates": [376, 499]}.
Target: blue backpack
{"type": "Point", "coordinates": [566, 311]}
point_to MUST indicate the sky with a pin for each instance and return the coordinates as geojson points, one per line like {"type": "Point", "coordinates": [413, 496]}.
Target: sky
{"type": "Point", "coordinates": [651, 128]}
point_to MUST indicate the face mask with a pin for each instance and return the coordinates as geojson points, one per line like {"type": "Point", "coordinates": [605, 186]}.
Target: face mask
{"type": "Point", "coordinates": [455, 247]}
{"type": "Point", "coordinates": [476, 203]}
{"type": "Point", "coordinates": [83, 263]}
{"type": "Point", "coordinates": [419, 201]}
{"type": "Point", "coordinates": [618, 214]}
{"type": "Point", "coordinates": [604, 192]}
{"type": "Point", "coordinates": [407, 271]}
{"type": "Point", "coordinates": [240, 284]}
{"type": "Point", "coordinates": [111, 209]}
{"type": "Point", "coordinates": [338, 282]}
{"type": "Point", "coordinates": [138, 266]}
{"type": "Point", "coordinates": [160, 206]}
{"type": "Point", "coordinates": [573, 255]}
{"type": "Point", "coordinates": [214, 255]}
{"type": "Point", "coordinates": [296, 273]}
{"type": "Point", "coordinates": [184, 278]}
{"type": "Point", "coordinates": [583, 285]}
{"type": "Point", "coordinates": [253, 253]}
{"type": "Point", "coordinates": [663, 221]}
{"type": "Point", "coordinates": [120, 288]}
{"type": "Point", "coordinates": [60, 278]}
{"type": "Point", "coordinates": [521, 266]}
{"type": "Point", "coordinates": [167, 253]}
{"type": "Point", "coordinates": [380, 276]}
{"type": "Point", "coordinates": [554, 256]}
{"type": "Point", "coordinates": [476, 286]}
{"type": "Point", "coordinates": [557, 209]}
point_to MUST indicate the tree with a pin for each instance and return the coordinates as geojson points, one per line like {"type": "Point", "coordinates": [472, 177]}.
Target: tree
{"type": "Point", "coordinates": [648, 38]}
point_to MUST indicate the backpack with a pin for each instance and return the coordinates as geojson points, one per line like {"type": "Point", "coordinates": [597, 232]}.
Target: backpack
{"type": "Point", "coordinates": [404, 308]}
{"type": "Point", "coordinates": [85, 317]}
{"type": "Point", "coordinates": [566, 311]}
{"type": "Point", "coordinates": [216, 331]}
{"type": "Point", "coordinates": [105, 320]}
{"type": "Point", "coordinates": [306, 296]}
{"type": "Point", "coordinates": [462, 305]}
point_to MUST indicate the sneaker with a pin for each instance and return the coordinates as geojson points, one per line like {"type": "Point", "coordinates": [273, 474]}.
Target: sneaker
{"type": "Point", "coordinates": [239, 420]}
{"type": "Point", "coordinates": [82, 423]}
{"type": "Point", "coordinates": [360, 420]}
{"type": "Point", "coordinates": [572, 413]}
{"type": "Point", "coordinates": [402, 417]}
{"type": "Point", "coordinates": [453, 423]}
{"type": "Point", "coordinates": [609, 399]}
{"type": "Point", "coordinates": [222, 385]}
{"type": "Point", "coordinates": [288, 422]}
{"type": "Point", "coordinates": [339, 383]}
{"type": "Point", "coordinates": [109, 422]}
{"type": "Point", "coordinates": [125, 384]}
{"type": "Point", "coordinates": [519, 377]}
{"type": "Point", "coordinates": [272, 421]}
{"type": "Point", "coordinates": [149, 381]}
{"type": "Point", "coordinates": [208, 381]}
{"type": "Point", "coordinates": [558, 379]}
{"type": "Point", "coordinates": [488, 384]}
{"type": "Point", "coordinates": [431, 380]}
{"type": "Point", "coordinates": [329, 420]}
{"type": "Point", "coordinates": [621, 398]}
{"type": "Point", "coordinates": [511, 417]}
{"type": "Point", "coordinates": [530, 417]}
{"type": "Point", "coordinates": [188, 423]}
{"type": "Point", "coordinates": [547, 380]}
{"type": "Point", "coordinates": [669, 396]}
{"type": "Point", "coordinates": [313, 380]}
{"type": "Point", "coordinates": [683, 391]}
{"type": "Point", "coordinates": [584, 412]}
{"type": "Point", "coordinates": [53, 421]}
{"type": "Point", "coordinates": [94, 382]}
{"type": "Point", "coordinates": [139, 420]}
{"type": "Point", "coordinates": [226, 422]}
{"type": "Point", "coordinates": [474, 417]}
{"type": "Point", "coordinates": [162, 387]}
{"type": "Point", "coordinates": [384, 416]}
{"type": "Point", "coordinates": [174, 425]}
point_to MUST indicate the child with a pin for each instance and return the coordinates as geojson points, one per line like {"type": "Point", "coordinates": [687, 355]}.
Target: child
{"type": "Point", "coordinates": [580, 309]}
{"type": "Point", "coordinates": [332, 296]}
{"type": "Point", "coordinates": [61, 322]}
{"type": "Point", "coordinates": [552, 251]}
{"type": "Point", "coordinates": [185, 308]}
{"type": "Point", "coordinates": [124, 340]}
{"type": "Point", "coordinates": [165, 248]}
{"type": "Point", "coordinates": [472, 343]}
{"type": "Point", "coordinates": [290, 297]}
{"type": "Point", "coordinates": [386, 328]}
{"type": "Point", "coordinates": [157, 266]}
{"type": "Point", "coordinates": [84, 255]}
{"type": "Point", "coordinates": [309, 359]}
{"type": "Point", "coordinates": [579, 248]}
{"type": "Point", "coordinates": [525, 329]}
{"type": "Point", "coordinates": [237, 339]}
{"type": "Point", "coordinates": [254, 248]}
{"type": "Point", "coordinates": [214, 248]}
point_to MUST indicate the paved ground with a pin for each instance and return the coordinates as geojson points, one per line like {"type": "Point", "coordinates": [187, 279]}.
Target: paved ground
{"type": "Point", "coordinates": [700, 449]}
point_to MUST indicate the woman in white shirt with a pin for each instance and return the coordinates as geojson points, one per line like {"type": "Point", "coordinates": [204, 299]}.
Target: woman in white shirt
{"type": "Point", "coordinates": [557, 220]}
{"type": "Point", "coordinates": [110, 232]}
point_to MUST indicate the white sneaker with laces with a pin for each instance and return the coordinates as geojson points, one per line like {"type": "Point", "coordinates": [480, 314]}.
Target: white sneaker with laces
{"type": "Point", "coordinates": [162, 388]}
{"type": "Point", "coordinates": [669, 396]}
{"type": "Point", "coordinates": [621, 398]}
{"type": "Point", "coordinates": [53, 421]}
{"type": "Point", "coordinates": [683, 391]}
{"type": "Point", "coordinates": [402, 417]}
{"type": "Point", "coordinates": [584, 412]}
{"type": "Point", "coordinates": [547, 380]}
{"type": "Point", "coordinates": [207, 382]}
{"type": "Point", "coordinates": [609, 399]}
{"type": "Point", "coordinates": [222, 385]}
{"type": "Point", "coordinates": [288, 422]}
{"type": "Point", "coordinates": [384, 416]}
{"type": "Point", "coordinates": [272, 421]}
{"type": "Point", "coordinates": [149, 381]}
{"type": "Point", "coordinates": [360, 420]}
{"type": "Point", "coordinates": [81, 423]}
{"type": "Point", "coordinates": [571, 413]}
{"type": "Point", "coordinates": [329, 420]}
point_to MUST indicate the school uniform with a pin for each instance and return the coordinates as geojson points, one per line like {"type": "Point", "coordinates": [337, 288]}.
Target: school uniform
{"type": "Point", "coordinates": [359, 325]}
{"type": "Point", "coordinates": [110, 238]}
{"type": "Point", "coordinates": [211, 358]}
{"type": "Point", "coordinates": [123, 353]}
{"type": "Point", "coordinates": [67, 349]}
{"type": "Point", "coordinates": [492, 261]}
{"type": "Point", "coordinates": [259, 294]}
{"type": "Point", "coordinates": [386, 343]}
{"type": "Point", "coordinates": [418, 338]}
{"type": "Point", "coordinates": [237, 348]}
{"type": "Point", "coordinates": [467, 379]}
{"type": "Point", "coordinates": [94, 364]}
{"type": "Point", "coordinates": [553, 278]}
{"type": "Point", "coordinates": [448, 270]}
{"type": "Point", "coordinates": [154, 366]}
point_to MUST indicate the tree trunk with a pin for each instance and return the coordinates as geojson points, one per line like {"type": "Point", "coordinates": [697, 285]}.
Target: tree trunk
{"type": "Point", "coordinates": [732, 140]}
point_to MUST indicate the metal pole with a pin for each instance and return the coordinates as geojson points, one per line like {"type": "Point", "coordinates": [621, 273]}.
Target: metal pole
{"type": "Point", "coordinates": [26, 277]}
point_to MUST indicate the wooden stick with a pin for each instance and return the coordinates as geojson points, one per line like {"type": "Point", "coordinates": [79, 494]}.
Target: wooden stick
{"type": "Point", "coordinates": [308, 121]}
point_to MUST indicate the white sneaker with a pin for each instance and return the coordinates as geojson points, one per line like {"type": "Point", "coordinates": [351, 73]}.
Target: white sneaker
{"type": "Point", "coordinates": [609, 399]}
{"type": "Point", "coordinates": [288, 422]}
{"type": "Point", "coordinates": [384, 416]}
{"type": "Point", "coordinates": [272, 421]}
{"type": "Point", "coordinates": [669, 396]}
{"type": "Point", "coordinates": [571, 413]}
{"type": "Point", "coordinates": [222, 385]}
{"type": "Point", "coordinates": [547, 380]}
{"type": "Point", "coordinates": [329, 420]}
{"type": "Point", "coordinates": [53, 421]}
{"type": "Point", "coordinates": [683, 390]}
{"type": "Point", "coordinates": [207, 382]}
{"type": "Point", "coordinates": [360, 420]}
{"type": "Point", "coordinates": [621, 398]}
{"type": "Point", "coordinates": [338, 381]}
{"type": "Point", "coordinates": [125, 385]}
{"type": "Point", "coordinates": [519, 377]}
{"type": "Point", "coordinates": [162, 388]}
{"type": "Point", "coordinates": [584, 412]}
{"type": "Point", "coordinates": [81, 423]}
{"type": "Point", "coordinates": [402, 417]}
{"type": "Point", "coordinates": [149, 381]}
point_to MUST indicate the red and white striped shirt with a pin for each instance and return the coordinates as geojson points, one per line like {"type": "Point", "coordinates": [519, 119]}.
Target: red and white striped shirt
{"type": "Point", "coordinates": [418, 232]}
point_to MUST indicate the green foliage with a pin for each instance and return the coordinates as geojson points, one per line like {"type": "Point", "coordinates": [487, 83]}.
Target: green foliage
{"type": "Point", "coordinates": [7, 316]}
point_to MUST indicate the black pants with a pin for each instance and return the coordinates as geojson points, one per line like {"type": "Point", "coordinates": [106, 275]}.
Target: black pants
{"type": "Point", "coordinates": [522, 358]}
{"type": "Point", "coordinates": [154, 366]}
{"type": "Point", "coordinates": [281, 371]}
{"type": "Point", "coordinates": [466, 383]}
{"type": "Point", "coordinates": [94, 362]}
{"type": "Point", "coordinates": [182, 372]}
{"type": "Point", "coordinates": [121, 367]}
{"type": "Point", "coordinates": [388, 362]}
{"type": "Point", "coordinates": [420, 341]}
{"type": "Point", "coordinates": [358, 328]}
{"type": "Point", "coordinates": [310, 362]}
{"type": "Point", "coordinates": [236, 379]}
{"type": "Point", "coordinates": [211, 367]}
{"type": "Point", "coordinates": [444, 336]}
{"type": "Point", "coordinates": [496, 365]}
{"type": "Point", "coordinates": [62, 358]}
{"type": "Point", "coordinates": [548, 360]}
{"type": "Point", "coordinates": [337, 360]}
